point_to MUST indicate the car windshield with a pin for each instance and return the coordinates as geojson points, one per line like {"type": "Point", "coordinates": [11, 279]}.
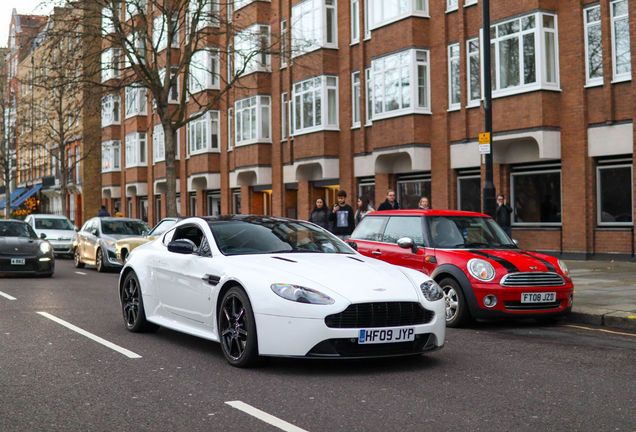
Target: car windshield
{"type": "Point", "coordinates": [162, 227]}
{"type": "Point", "coordinates": [124, 227]}
{"type": "Point", "coordinates": [16, 229]}
{"type": "Point", "coordinates": [467, 232]}
{"type": "Point", "coordinates": [53, 224]}
{"type": "Point", "coordinates": [261, 236]}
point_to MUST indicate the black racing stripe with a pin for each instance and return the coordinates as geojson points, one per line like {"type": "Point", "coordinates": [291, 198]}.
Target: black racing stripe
{"type": "Point", "coordinates": [545, 262]}
{"type": "Point", "coordinates": [505, 263]}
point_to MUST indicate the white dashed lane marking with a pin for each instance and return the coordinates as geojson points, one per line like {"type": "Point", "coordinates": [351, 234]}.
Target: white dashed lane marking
{"type": "Point", "coordinates": [82, 273]}
{"type": "Point", "coordinates": [263, 416]}
{"type": "Point", "coordinates": [7, 296]}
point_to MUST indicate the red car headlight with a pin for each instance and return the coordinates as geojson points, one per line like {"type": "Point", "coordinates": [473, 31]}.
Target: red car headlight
{"type": "Point", "coordinates": [481, 269]}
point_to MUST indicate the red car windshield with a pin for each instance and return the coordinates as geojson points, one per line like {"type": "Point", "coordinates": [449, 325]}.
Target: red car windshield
{"type": "Point", "coordinates": [455, 232]}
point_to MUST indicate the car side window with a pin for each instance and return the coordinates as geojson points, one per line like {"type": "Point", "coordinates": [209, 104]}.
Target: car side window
{"type": "Point", "coordinates": [167, 238]}
{"type": "Point", "coordinates": [189, 232]}
{"type": "Point", "coordinates": [404, 226]}
{"type": "Point", "coordinates": [87, 225]}
{"type": "Point", "coordinates": [370, 229]}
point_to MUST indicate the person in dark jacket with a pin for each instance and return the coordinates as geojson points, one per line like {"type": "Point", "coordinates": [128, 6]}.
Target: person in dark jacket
{"type": "Point", "coordinates": [103, 212]}
{"type": "Point", "coordinates": [390, 203]}
{"type": "Point", "coordinates": [502, 215]}
{"type": "Point", "coordinates": [341, 215]}
{"type": "Point", "coordinates": [320, 214]}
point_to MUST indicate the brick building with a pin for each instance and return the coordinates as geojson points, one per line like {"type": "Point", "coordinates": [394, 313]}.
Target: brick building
{"type": "Point", "coordinates": [371, 95]}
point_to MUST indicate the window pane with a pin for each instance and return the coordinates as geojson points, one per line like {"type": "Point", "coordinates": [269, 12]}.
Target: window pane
{"type": "Point", "coordinates": [537, 197]}
{"type": "Point", "coordinates": [265, 121]}
{"type": "Point", "coordinates": [308, 109]}
{"type": "Point", "coordinates": [399, 227]}
{"type": "Point", "coordinates": [474, 77]}
{"type": "Point", "coordinates": [527, 23]}
{"type": "Point", "coordinates": [615, 202]}
{"type": "Point", "coordinates": [422, 90]}
{"type": "Point", "coordinates": [550, 58]}
{"type": "Point", "coordinates": [509, 62]}
{"type": "Point", "coordinates": [369, 229]}
{"type": "Point", "coordinates": [529, 73]}
{"type": "Point", "coordinates": [493, 66]}
{"type": "Point", "coordinates": [392, 82]}
{"type": "Point", "coordinates": [455, 90]}
{"type": "Point", "coordinates": [406, 87]}
{"type": "Point", "coordinates": [623, 57]}
{"type": "Point", "coordinates": [331, 27]}
{"type": "Point", "coordinates": [332, 107]}
{"type": "Point", "coordinates": [470, 194]}
{"type": "Point", "coordinates": [411, 192]}
{"type": "Point", "coordinates": [594, 50]}
{"type": "Point", "coordinates": [548, 21]}
{"type": "Point", "coordinates": [318, 99]}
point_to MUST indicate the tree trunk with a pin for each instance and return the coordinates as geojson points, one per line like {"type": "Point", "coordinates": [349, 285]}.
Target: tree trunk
{"type": "Point", "coordinates": [171, 174]}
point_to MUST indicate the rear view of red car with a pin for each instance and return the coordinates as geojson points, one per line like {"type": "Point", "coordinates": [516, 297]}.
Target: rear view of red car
{"type": "Point", "coordinates": [482, 271]}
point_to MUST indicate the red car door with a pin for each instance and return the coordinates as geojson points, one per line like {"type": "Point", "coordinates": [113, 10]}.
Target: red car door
{"type": "Point", "coordinates": [368, 234]}
{"type": "Point", "coordinates": [399, 227]}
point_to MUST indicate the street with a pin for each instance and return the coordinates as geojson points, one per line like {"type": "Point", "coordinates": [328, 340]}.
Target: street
{"type": "Point", "coordinates": [510, 376]}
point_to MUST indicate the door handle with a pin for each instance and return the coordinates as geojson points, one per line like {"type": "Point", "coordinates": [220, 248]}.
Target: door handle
{"type": "Point", "coordinates": [377, 253]}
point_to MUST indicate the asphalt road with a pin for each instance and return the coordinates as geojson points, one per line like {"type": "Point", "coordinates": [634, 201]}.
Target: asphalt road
{"type": "Point", "coordinates": [514, 376]}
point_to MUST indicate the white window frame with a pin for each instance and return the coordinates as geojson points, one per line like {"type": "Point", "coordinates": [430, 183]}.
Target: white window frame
{"type": "Point", "coordinates": [469, 84]}
{"type": "Point", "coordinates": [205, 125]}
{"type": "Point", "coordinates": [111, 66]}
{"type": "Point", "coordinates": [159, 144]}
{"type": "Point", "coordinates": [598, 194]}
{"type": "Point", "coordinates": [356, 109]}
{"type": "Point", "coordinates": [136, 149]}
{"type": "Point", "coordinates": [618, 76]}
{"type": "Point", "coordinates": [136, 48]}
{"type": "Point", "coordinates": [512, 197]}
{"type": "Point", "coordinates": [377, 19]}
{"type": "Point", "coordinates": [256, 60]}
{"type": "Point", "coordinates": [204, 72]}
{"type": "Point", "coordinates": [160, 32]}
{"type": "Point", "coordinates": [283, 43]}
{"type": "Point", "coordinates": [111, 156]}
{"type": "Point", "coordinates": [470, 2]}
{"type": "Point", "coordinates": [208, 16]}
{"type": "Point", "coordinates": [454, 63]}
{"type": "Point", "coordinates": [135, 7]}
{"type": "Point", "coordinates": [592, 81]}
{"type": "Point", "coordinates": [284, 116]}
{"type": "Point", "coordinates": [230, 128]}
{"type": "Point", "coordinates": [309, 26]}
{"type": "Point", "coordinates": [539, 32]}
{"type": "Point", "coordinates": [452, 5]}
{"type": "Point", "coordinates": [367, 20]}
{"type": "Point", "coordinates": [368, 89]}
{"type": "Point", "coordinates": [111, 110]}
{"type": "Point", "coordinates": [136, 98]}
{"type": "Point", "coordinates": [413, 65]}
{"type": "Point", "coordinates": [256, 102]}
{"type": "Point", "coordinates": [355, 21]}
{"type": "Point", "coordinates": [173, 95]}
{"type": "Point", "coordinates": [328, 84]}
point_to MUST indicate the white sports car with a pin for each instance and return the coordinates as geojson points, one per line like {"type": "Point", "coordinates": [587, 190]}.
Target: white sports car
{"type": "Point", "coordinates": [271, 286]}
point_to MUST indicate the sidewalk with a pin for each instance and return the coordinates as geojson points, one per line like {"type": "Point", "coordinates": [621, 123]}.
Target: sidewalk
{"type": "Point", "coordinates": [604, 293]}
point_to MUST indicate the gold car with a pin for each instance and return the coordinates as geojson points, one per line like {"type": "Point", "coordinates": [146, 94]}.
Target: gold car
{"type": "Point", "coordinates": [125, 246]}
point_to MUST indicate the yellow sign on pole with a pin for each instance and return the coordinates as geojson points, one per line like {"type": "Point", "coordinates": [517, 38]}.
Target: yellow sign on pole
{"type": "Point", "coordinates": [484, 138]}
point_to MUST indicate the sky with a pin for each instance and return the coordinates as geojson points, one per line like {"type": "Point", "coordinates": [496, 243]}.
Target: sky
{"type": "Point", "coordinates": [26, 7]}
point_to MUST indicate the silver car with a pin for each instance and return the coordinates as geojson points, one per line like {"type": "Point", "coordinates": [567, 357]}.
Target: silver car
{"type": "Point", "coordinates": [95, 243]}
{"type": "Point", "coordinates": [59, 231]}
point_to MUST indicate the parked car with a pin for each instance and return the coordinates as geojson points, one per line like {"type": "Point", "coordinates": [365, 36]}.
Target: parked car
{"type": "Point", "coordinates": [59, 231]}
{"type": "Point", "coordinates": [266, 286]}
{"type": "Point", "coordinates": [481, 270]}
{"type": "Point", "coordinates": [124, 246]}
{"type": "Point", "coordinates": [22, 251]}
{"type": "Point", "coordinates": [95, 243]}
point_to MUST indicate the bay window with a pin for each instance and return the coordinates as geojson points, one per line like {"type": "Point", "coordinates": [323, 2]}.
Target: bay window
{"type": "Point", "coordinates": [110, 156]}
{"type": "Point", "coordinates": [136, 150]}
{"type": "Point", "coordinates": [159, 144]}
{"type": "Point", "coordinates": [135, 7]}
{"type": "Point", "coordinates": [253, 120]}
{"type": "Point", "coordinates": [110, 64]}
{"type": "Point", "coordinates": [136, 101]}
{"type": "Point", "coordinates": [621, 58]}
{"type": "Point", "coordinates": [473, 73]}
{"type": "Point", "coordinates": [536, 197]}
{"type": "Point", "coordinates": [111, 110]}
{"type": "Point", "coordinates": [454, 90]}
{"type": "Point", "coordinates": [314, 26]}
{"type": "Point", "coordinates": [593, 45]}
{"type": "Point", "coordinates": [309, 112]}
{"type": "Point", "coordinates": [208, 14]}
{"type": "Point", "coordinates": [524, 54]}
{"type": "Point", "coordinates": [204, 134]}
{"type": "Point", "coordinates": [401, 83]}
{"type": "Point", "coordinates": [160, 32]}
{"type": "Point", "coordinates": [387, 11]}
{"type": "Point", "coordinates": [173, 94]}
{"type": "Point", "coordinates": [615, 204]}
{"type": "Point", "coordinates": [136, 46]}
{"type": "Point", "coordinates": [204, 70]}
{"type": "Point", "coordinates": [251, 49]}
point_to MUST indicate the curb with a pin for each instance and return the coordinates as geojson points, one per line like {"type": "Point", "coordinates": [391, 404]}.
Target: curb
{"type": "Point", "coordinates": [603, 317]}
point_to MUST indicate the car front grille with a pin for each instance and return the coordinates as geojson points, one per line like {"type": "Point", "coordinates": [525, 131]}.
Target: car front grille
{"type": "Point", "coordinates": [387, 314]}
{"type": "Point", "coordinates": [350, 348]}
{"type": "Point", "coordinates": [518, 306]}
{"type": "Point", "coordinates": [532, 279]}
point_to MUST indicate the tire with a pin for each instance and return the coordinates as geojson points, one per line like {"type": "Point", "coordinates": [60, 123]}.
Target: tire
{"type": "Point", "coordinates": [76, 259]}
{"type": "Point", "coordinates": [237, 329]}
{"type": "Point", "coordinates": [132, 306]}
{"type": "Point", "coordinates": [457, 313]}
{"type": "Point", "coordinates": [99, 261]}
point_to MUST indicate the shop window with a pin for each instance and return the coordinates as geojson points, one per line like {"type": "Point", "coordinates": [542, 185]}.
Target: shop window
{"type": "Point", "coordinates": [536, 197]}
{"type": "Point", "coordinates": [615, 204]}
{"type": "Point", "coordinates": [411, 191]}
{"type": "Point", "coordinates": [469, 193]}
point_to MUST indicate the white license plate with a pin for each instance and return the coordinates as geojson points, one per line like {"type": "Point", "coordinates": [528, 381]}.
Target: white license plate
{"type": "Point", "coordinates": [538, 297]}
{"type": "Point", "coordinates": [386, 335]}
{"type": "Point", "coordinates": [17, 261]}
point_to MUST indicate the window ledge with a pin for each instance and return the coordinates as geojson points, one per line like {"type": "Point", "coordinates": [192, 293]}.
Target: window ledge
{"type": "Point", "coordinates": [111, 171]}
{"type": "Point", "coordinates": [354, 43]}
{"type": "Point", "coordinates": [399, 18]}
{"type": "Point", "coordinates": [200, 152]}
{"type": "Point", "coordinates": [453, 9]}
{"type": "Point", "coordinates": [322, 129]}
{"type": "Point", "coordinates": [145, 165]}
{"type": "Point", "coordinates": [367, 38]}
{"type": "Point", "coordinates": [614, 226]}
{"type": "Point", "coordinates": [521, 90]}
{"type": "Point", "coordinates": [474, 104]}
{"type": "Point", "coordinates": [136, 115]}
{"type": "Point", "coordinates": [205, 89]}
{"type": "Point", "coordinates": [110, 124]}
{"type": "Point", "coordinates": [377, 117]}
{"type": "Point", "coordinates": [621, 79]}
{"type": "Point", "coordinates": [454, 108]}
{"type": "Point", "coordinates": [250, 142]}
{"type": "Point", "coordinates": [471, 4]}
{"type": "Point", "coordinates": [593, 84]}
{"type": "Point", "coordinates": [355, 126]}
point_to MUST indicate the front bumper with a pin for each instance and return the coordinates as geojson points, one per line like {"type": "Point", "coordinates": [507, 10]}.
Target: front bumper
{"type": "Point", "coordinates": [110, 258]}
{"type": "Point", "coordinates": [33, 265]}
{"type": "Point", "coordinates": [305, 337]}
{"type": "Point", "coordinates": [62, 247]}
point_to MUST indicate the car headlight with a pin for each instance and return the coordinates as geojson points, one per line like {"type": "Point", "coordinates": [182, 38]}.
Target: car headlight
{"type": "Point", "coordinates": [300, 294]}
{"type": "Point", "coordinates": [432, 291]}
{"type": "Point", "coordinates": [45, 247]}
{"type": "Point", "coordinates": [564, 269]}
{"type": "Point", "coordinates": [110, 243]}
{"type": "Point", "coordinates": [481, 269]}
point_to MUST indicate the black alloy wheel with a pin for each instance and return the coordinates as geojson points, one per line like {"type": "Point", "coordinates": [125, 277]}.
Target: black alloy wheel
{"type": "Point", "coordinates": [99, 261]}
{"type": "Point", "coordinates": [457, 313]}
{"type": "Point", "coordinates": [132, 306]}
{"type": "Point", "coordinates": [237, 329]}
{"type": "Point", "coordinates": [76, 259]}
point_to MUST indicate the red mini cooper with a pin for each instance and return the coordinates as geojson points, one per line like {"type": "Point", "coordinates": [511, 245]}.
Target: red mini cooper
{"type": "Point", "coordinates": [481, 270]}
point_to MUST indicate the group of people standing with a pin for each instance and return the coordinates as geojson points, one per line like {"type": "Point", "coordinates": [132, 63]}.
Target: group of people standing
{"type": "Point", "coordinates": [341, 218]}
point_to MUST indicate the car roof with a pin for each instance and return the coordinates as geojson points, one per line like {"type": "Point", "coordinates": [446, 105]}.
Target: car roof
{"type": "Point", "coordinates": [114, 218]}
{"type": "Point", "coordinates": [419, 212]}
{"type": "Point", "coordinates": [48, 216]}
{"type": "Point", "coordinates": [11, 221]}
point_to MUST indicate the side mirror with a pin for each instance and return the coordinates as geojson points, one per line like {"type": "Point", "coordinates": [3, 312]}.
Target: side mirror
{"type": "Point", "coordinates": [183, 246]}
{"type": "Point", "coordinates": [406, 243]}
{"type": "Point", "coordinates": [95, 232]}
{"type": "Point", "coordinates": [76, 229]}
{"type": "Point", "coordinates": [353, 245]}
{"type": "Point", "coordinates": [42, 236]}
{"type": "Point", "coordinates": [515, 242]}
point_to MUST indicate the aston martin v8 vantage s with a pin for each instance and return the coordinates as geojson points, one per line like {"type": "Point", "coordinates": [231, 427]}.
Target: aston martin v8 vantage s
{"type": "Point", "coordinates": [266, 286]}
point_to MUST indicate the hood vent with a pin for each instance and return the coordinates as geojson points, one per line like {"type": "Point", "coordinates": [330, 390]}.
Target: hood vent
{"type": "Point", "coordinates": [355, 259]}
{"type": "Point", "coordinates": [285, 259]}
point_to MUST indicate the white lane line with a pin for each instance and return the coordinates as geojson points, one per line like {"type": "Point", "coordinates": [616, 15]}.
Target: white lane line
{"type": "Point", "coordinates": [7, 296]}
{"type": "Point", "coordinates": [82, 273]}
{"type": "Point", "coordinates": [263, 416]}
{"type": "Point", "coordinates": [91, 336]}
